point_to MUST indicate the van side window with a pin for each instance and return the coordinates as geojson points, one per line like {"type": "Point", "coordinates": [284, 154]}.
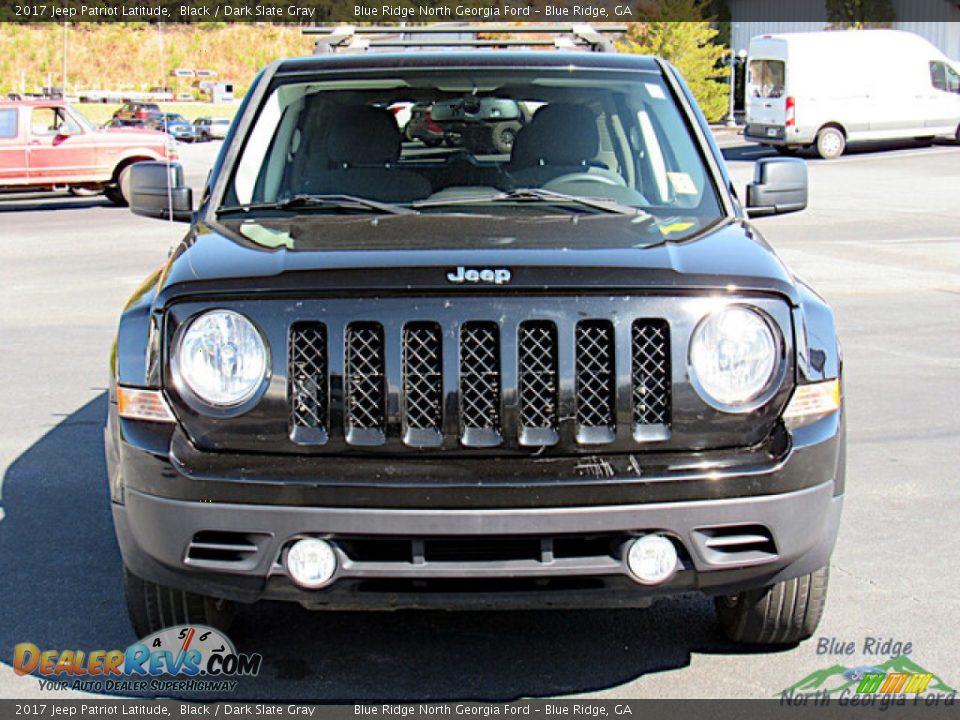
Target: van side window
{"type": "Point", "coordinates": [8, 123]}
{"type": "Point", "coordinates": [943, 77]}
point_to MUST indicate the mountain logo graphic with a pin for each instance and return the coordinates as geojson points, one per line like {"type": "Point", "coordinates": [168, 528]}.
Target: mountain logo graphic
{"type": "Point", "coordinates": [898, 674]}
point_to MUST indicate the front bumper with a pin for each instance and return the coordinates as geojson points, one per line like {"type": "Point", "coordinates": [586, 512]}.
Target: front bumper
{"type": "Point", "coordinates": [554, 552]}
{"type": "Point", "coordinates": [155, 537]}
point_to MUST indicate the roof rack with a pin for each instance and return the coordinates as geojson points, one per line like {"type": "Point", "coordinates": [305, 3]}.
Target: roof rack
{"type": "Point", "coordinates": [349, 38]}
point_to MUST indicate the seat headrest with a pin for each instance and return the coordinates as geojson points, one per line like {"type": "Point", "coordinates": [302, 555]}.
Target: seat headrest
{"type": "Point", "coordinates": [364, 135]}
{"type": "Point", "coordinates": [558, 134]}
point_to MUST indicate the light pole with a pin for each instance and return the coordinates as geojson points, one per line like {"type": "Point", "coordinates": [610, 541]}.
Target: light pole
{"type": "Point", "coordinates": [734, 56]}
{"type": "Point", "coordinates": [64, 78]}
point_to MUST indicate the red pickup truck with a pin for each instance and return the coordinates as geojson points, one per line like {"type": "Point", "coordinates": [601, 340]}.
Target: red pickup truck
{"type": "Point", "coordinates": [47, 145]}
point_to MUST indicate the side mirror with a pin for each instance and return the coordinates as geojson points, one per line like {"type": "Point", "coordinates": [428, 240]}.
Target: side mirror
{"type": "Point", "coordinates": [779, 186]}
{"type": "Point", "coordinates": [157, 191]}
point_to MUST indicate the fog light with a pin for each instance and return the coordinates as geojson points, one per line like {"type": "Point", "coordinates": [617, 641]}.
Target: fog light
{"type": "Point", "coordinates": [652, 559]}
{"type": "Point", "coordinates": [311, 563]}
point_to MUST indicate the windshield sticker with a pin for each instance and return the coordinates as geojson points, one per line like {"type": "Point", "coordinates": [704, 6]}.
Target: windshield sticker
{"type": "Point", "coordinates": [655, 91]}
{"type": "Point", "coordinates": [682, 183]}
{"type": "Point", "coordinates": [675, 227]}
{"type": "Point", "coordinates": [266, 237]}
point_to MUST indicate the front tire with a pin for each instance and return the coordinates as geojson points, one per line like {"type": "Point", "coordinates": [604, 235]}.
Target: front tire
{"type": "Point", "coordinates": [153, 607]}
{"type": "Point", "coordinates": [782, 614]}
{"type": "Point", "coordinates": [830, 143]}
{"type": "Point", "coordinates": [119, 194]}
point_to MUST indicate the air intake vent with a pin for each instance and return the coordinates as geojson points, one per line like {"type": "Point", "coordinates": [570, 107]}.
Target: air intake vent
{"type": "Point", "coordinates": [480, 384]}
{"type": "Point", "coordinates": [307, 387]}
{"type": "Point", "coordinates": [735, 544]}
{"type": "Point", "coordinates": [596, 382]}
{"type": "Point", "coordinates": [422, 384]}
{"type": "Point", "coordinates": [537, 356]}
{"type": "Point", "coordinates": [220, 548]}
{"type": "Point", "coordinates": [651, 380]}
{"type": "Point", "coordinates": [365, 379]}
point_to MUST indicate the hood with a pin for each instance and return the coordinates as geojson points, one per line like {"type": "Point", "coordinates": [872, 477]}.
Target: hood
{"type": "Point", "coordinates": [323, 254]}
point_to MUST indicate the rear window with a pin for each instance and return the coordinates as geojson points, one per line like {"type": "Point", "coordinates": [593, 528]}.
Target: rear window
{"type": "Point", "coordinates": [8, 123]}
{"type": "Point", "coordinates": [765, 78]}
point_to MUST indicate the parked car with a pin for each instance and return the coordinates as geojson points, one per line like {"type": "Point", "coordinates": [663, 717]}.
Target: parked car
{"type": "Point", "coordinates": [423, 127]}
{"type": "Point", "coordinates": [135, 113]}
{"type": "Point", "coordinates": [574, 376]}
{"type": "Point", "coordinates": [483, 125]}
{"type": "Point", "coordinates": [49, 145]}
{"type": "Point", "coordinates": [828, 89]}
{"type": "Point", "coordinates": [401, 113]}
{"type": "Point", "coordinates": [174, 124]}
{"type": "Point", "coordinates": [207, 128]}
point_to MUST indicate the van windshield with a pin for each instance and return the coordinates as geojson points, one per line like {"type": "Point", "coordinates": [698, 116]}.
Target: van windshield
{"type": "Point", "coordinates": [475, 141]}
{"type": "Point", "coordinates": [765, 78]}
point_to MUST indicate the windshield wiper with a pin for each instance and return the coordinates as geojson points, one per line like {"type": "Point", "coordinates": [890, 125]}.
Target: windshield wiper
{"type": "Point", "coordinates": [535, 195]}
{"type": "Point", "coordinates": [334, 202]}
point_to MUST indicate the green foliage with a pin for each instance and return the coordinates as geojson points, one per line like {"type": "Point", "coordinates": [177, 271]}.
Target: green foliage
{"type": "Point", "coordinates": [138, 56]}
{"type": "Point", "coordinates": [677, 31]}
{"type": "Point", "coordinates": [859, 14]}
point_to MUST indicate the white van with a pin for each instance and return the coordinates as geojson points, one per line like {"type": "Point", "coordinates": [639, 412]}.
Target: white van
{"type": "Point", "coordinates": [827, 89]}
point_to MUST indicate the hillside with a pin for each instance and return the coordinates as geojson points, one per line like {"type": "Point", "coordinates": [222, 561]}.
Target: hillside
{"type": "Point", "coordinates": [137, 56]}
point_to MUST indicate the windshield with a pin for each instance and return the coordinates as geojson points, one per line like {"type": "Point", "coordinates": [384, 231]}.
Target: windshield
{"type": "Point", "coordinates": [469, 141]}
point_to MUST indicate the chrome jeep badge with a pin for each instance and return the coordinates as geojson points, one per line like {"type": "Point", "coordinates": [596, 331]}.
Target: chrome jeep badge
{"type": "Point", "coordinates": [497, 276]}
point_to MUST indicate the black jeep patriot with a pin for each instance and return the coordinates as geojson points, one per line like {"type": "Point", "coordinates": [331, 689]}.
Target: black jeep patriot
{"type": "Point", "coordinates": [376, 374]}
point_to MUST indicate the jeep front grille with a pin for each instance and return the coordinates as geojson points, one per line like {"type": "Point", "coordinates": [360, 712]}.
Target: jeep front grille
{"type": "Point", "coordinates": [537, 370]}
{"type": "Point", "coordinates": [596, 382]}
{"type": "Point", "coordinates": [480, 384]}
{"type": "Point", "coordinates": [650, 372]}
{"type": "Point", "coordinates": [307, 386]}
{"type": "Point", "coordinates": [365, 378]}
{"type": "Point", "coordinates": [422, 384]}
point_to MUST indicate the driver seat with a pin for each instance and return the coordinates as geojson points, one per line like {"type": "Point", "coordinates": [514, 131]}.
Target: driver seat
{"type": "Point", "coordinates": [561, 139]}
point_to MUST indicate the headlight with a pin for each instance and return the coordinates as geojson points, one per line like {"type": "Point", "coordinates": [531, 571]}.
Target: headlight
{"type": "Point", "coordinates": [222, 358]}
{"type": "Point", "coordinates": [733, 357]}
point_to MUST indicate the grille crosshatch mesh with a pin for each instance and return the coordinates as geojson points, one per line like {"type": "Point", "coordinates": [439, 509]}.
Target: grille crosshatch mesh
{"type": "Point", "coordinates": [651, 372]}
{"type": "Point", "coordinates": [596, 374]}
{"type": "Point", "coordinates": [307, 387]}
{"type": "Point", "coordinates": [538, 375]}
{"type": "Point", "coordinates": [422, 376]}
{"type": "Point", "coordinates": [365, 392]}
{"type": "Point", "coordinates": [480, 376]}
{"type": "Point", "coordinates": [534, 388]}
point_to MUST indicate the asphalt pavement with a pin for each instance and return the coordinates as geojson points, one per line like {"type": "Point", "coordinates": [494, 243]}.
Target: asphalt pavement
{"type": "Point", "coordinates": [880, 240]}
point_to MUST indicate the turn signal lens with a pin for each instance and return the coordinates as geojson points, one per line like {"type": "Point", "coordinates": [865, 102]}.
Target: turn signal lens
{"type": "Point", "coordinates": [136, 404]}
{"type": "Point", "coordinates": [812, 402]}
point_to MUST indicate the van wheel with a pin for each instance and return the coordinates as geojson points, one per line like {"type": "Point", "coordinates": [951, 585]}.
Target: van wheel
{"type": "Point", "coordinates": [830, 143]}
{"type": "Point", "coordinates": [781, 614]}
{"type": "Point", "coordinates": [153, 607]}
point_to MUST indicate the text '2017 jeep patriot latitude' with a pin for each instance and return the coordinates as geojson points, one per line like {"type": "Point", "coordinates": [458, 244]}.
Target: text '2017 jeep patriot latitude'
{"type": "Point", "coordinates": [376, 374]}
